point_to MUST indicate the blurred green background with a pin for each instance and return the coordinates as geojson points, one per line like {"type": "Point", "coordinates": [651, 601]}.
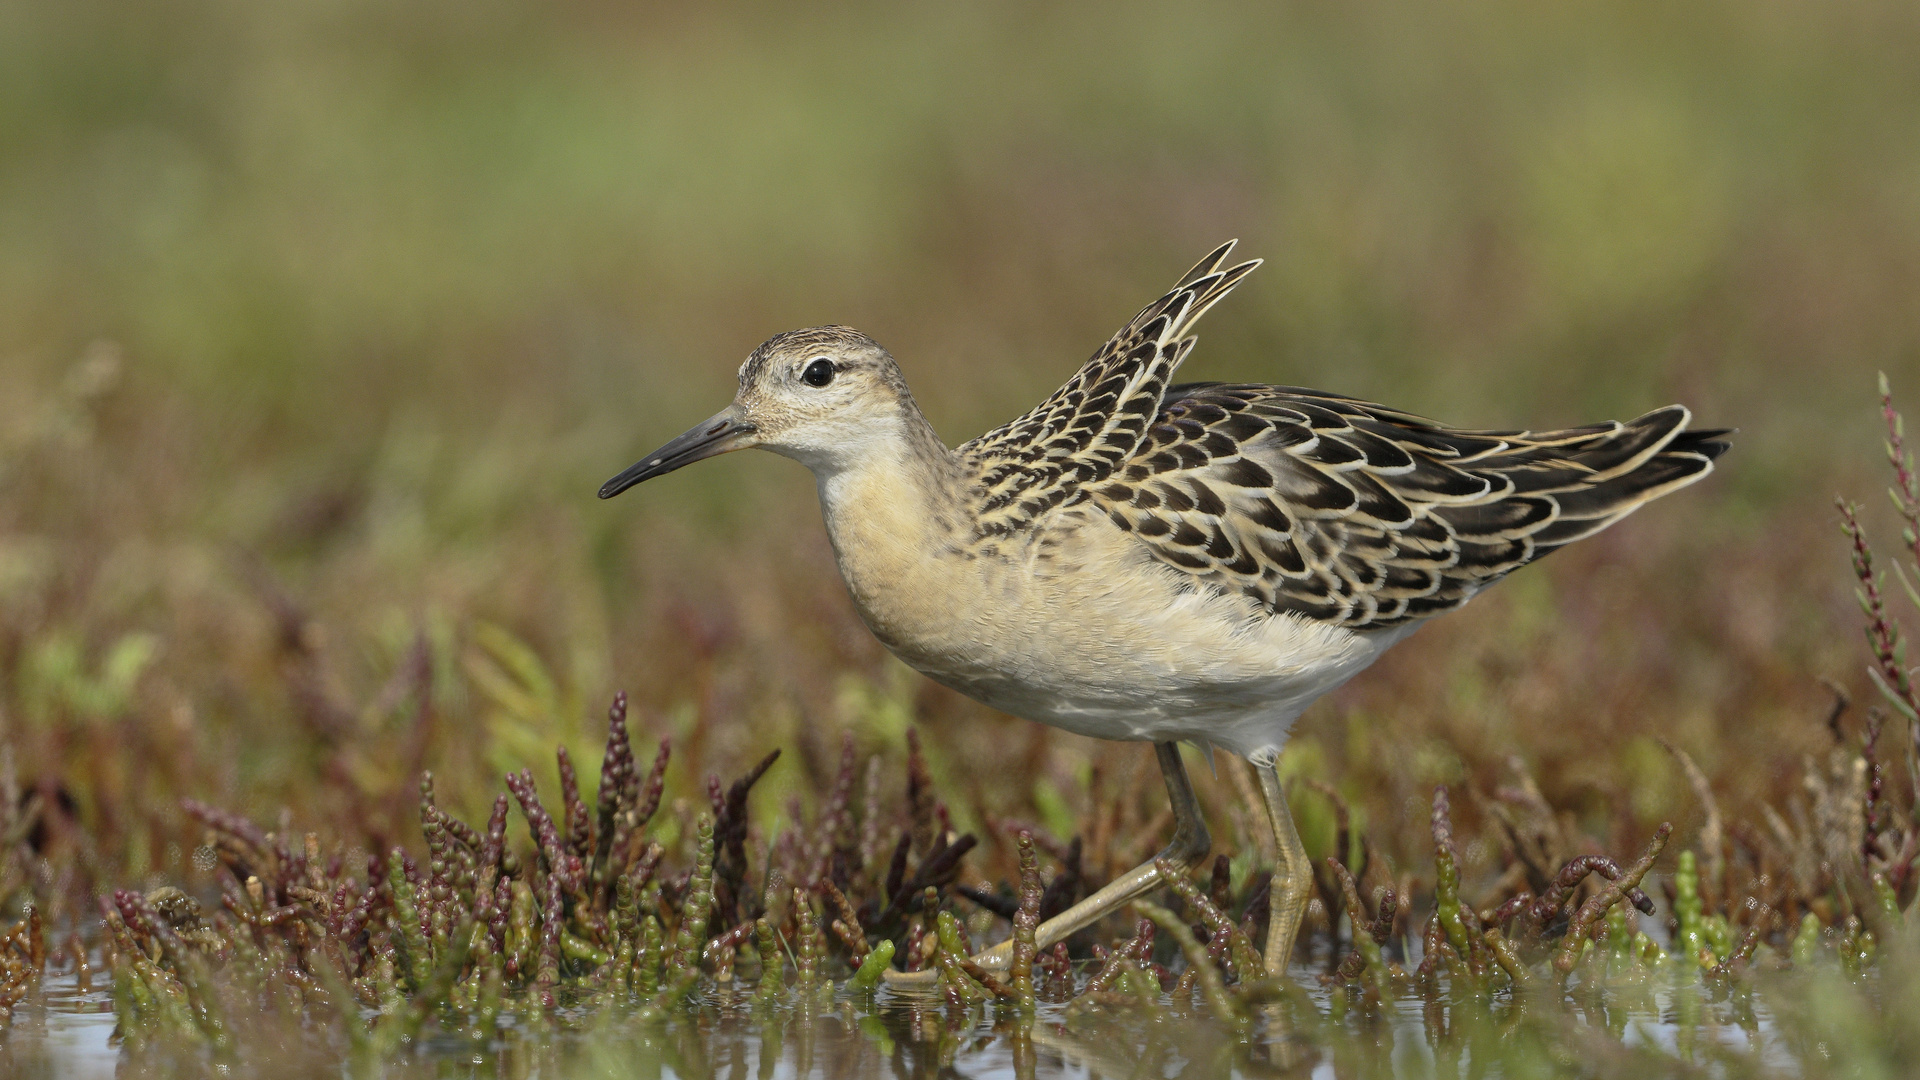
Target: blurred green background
{"type": "Point", "coordinates": [320, 323]}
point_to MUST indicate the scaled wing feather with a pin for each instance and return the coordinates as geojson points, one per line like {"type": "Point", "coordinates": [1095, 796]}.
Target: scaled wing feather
{"type": "Point", "coordinates": [1343, 511]}
{"type": "Point", "coordinates": [1313, 504]}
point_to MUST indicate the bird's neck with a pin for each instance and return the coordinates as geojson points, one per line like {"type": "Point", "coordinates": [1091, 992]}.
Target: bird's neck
{"type": "Point", "coordinates": [889, 512]}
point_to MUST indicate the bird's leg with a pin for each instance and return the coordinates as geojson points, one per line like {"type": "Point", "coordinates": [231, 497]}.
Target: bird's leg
{"type": "Point", "coordinates": [1292, 878]}
{"type": "Point", "coordinates": [1189, 845]}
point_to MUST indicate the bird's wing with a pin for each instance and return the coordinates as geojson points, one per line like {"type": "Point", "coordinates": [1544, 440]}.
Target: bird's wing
{"type": "Point", "coordinates": [1348, 512]}
{"type": "Point", "coordinates": [1087, 428]}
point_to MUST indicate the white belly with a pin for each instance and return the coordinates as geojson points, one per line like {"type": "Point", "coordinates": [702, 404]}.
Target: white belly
{"type": "Point", "coordinates": [1239, 690]}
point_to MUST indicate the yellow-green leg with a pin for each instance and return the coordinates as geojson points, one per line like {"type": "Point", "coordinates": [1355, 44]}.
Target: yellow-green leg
{"type": "Point", "coordinates": [1292, 875]}
{"type": "Point", "coordinates": [1189, 845]}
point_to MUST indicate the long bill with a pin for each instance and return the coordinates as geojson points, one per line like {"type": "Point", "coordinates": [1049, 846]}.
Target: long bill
{"type": "Point", "coordinates": [724, 431]}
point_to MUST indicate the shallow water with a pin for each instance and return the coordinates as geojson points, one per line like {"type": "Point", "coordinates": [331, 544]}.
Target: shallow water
{"type": "Point", "coordinates": [69, 1033]}
{"type": "Point", "coordinates": [64, 1031]}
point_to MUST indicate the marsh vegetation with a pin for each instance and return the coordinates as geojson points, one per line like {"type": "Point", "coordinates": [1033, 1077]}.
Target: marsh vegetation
{"type": "Point", "coordinates": [320, 323]}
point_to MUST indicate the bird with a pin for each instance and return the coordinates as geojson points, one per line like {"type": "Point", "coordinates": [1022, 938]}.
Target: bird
{"type": "Point", "coordinates": [1174, 563]}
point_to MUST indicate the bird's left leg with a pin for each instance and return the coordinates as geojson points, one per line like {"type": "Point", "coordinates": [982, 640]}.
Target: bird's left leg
{"type": "Point", "coordinates": [1189, 845]}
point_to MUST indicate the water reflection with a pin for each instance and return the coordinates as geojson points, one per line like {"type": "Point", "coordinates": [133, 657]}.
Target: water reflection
{"type": "Point", "coordinates": [1644, 1028]}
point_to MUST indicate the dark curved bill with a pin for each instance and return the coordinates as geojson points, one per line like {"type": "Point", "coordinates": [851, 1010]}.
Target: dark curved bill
{"type": "Point", "coordinates": [719, 434]}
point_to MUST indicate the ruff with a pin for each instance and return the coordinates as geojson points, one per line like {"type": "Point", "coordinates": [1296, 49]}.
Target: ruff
{"type": "Point", "coordinates": [1139, 560]}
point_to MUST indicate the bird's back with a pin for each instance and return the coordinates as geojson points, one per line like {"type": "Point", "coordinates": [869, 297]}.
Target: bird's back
{"type": "Point", "coordinates": [1313, 504]}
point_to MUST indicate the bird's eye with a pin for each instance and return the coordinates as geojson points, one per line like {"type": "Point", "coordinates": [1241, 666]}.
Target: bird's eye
{"type": "Point", "coordinates": [818, 373]}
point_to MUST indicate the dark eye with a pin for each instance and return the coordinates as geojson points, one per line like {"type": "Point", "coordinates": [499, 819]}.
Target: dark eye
{"type": "Point", "coordinates": [818, 373]}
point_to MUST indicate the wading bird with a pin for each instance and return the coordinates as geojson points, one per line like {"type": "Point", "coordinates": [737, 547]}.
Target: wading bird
{"type": "Point", "coordinates": [1197, 563]}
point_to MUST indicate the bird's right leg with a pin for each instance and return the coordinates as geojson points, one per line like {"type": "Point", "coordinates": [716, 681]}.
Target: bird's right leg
{"type": "Point", "coordinates": [1189, 845]}
{"type": "Point", "coordinates": [1292, 878]}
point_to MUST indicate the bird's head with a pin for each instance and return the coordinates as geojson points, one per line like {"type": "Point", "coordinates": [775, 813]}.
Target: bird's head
{"type": "Point", "coordinates": [821, 396]}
